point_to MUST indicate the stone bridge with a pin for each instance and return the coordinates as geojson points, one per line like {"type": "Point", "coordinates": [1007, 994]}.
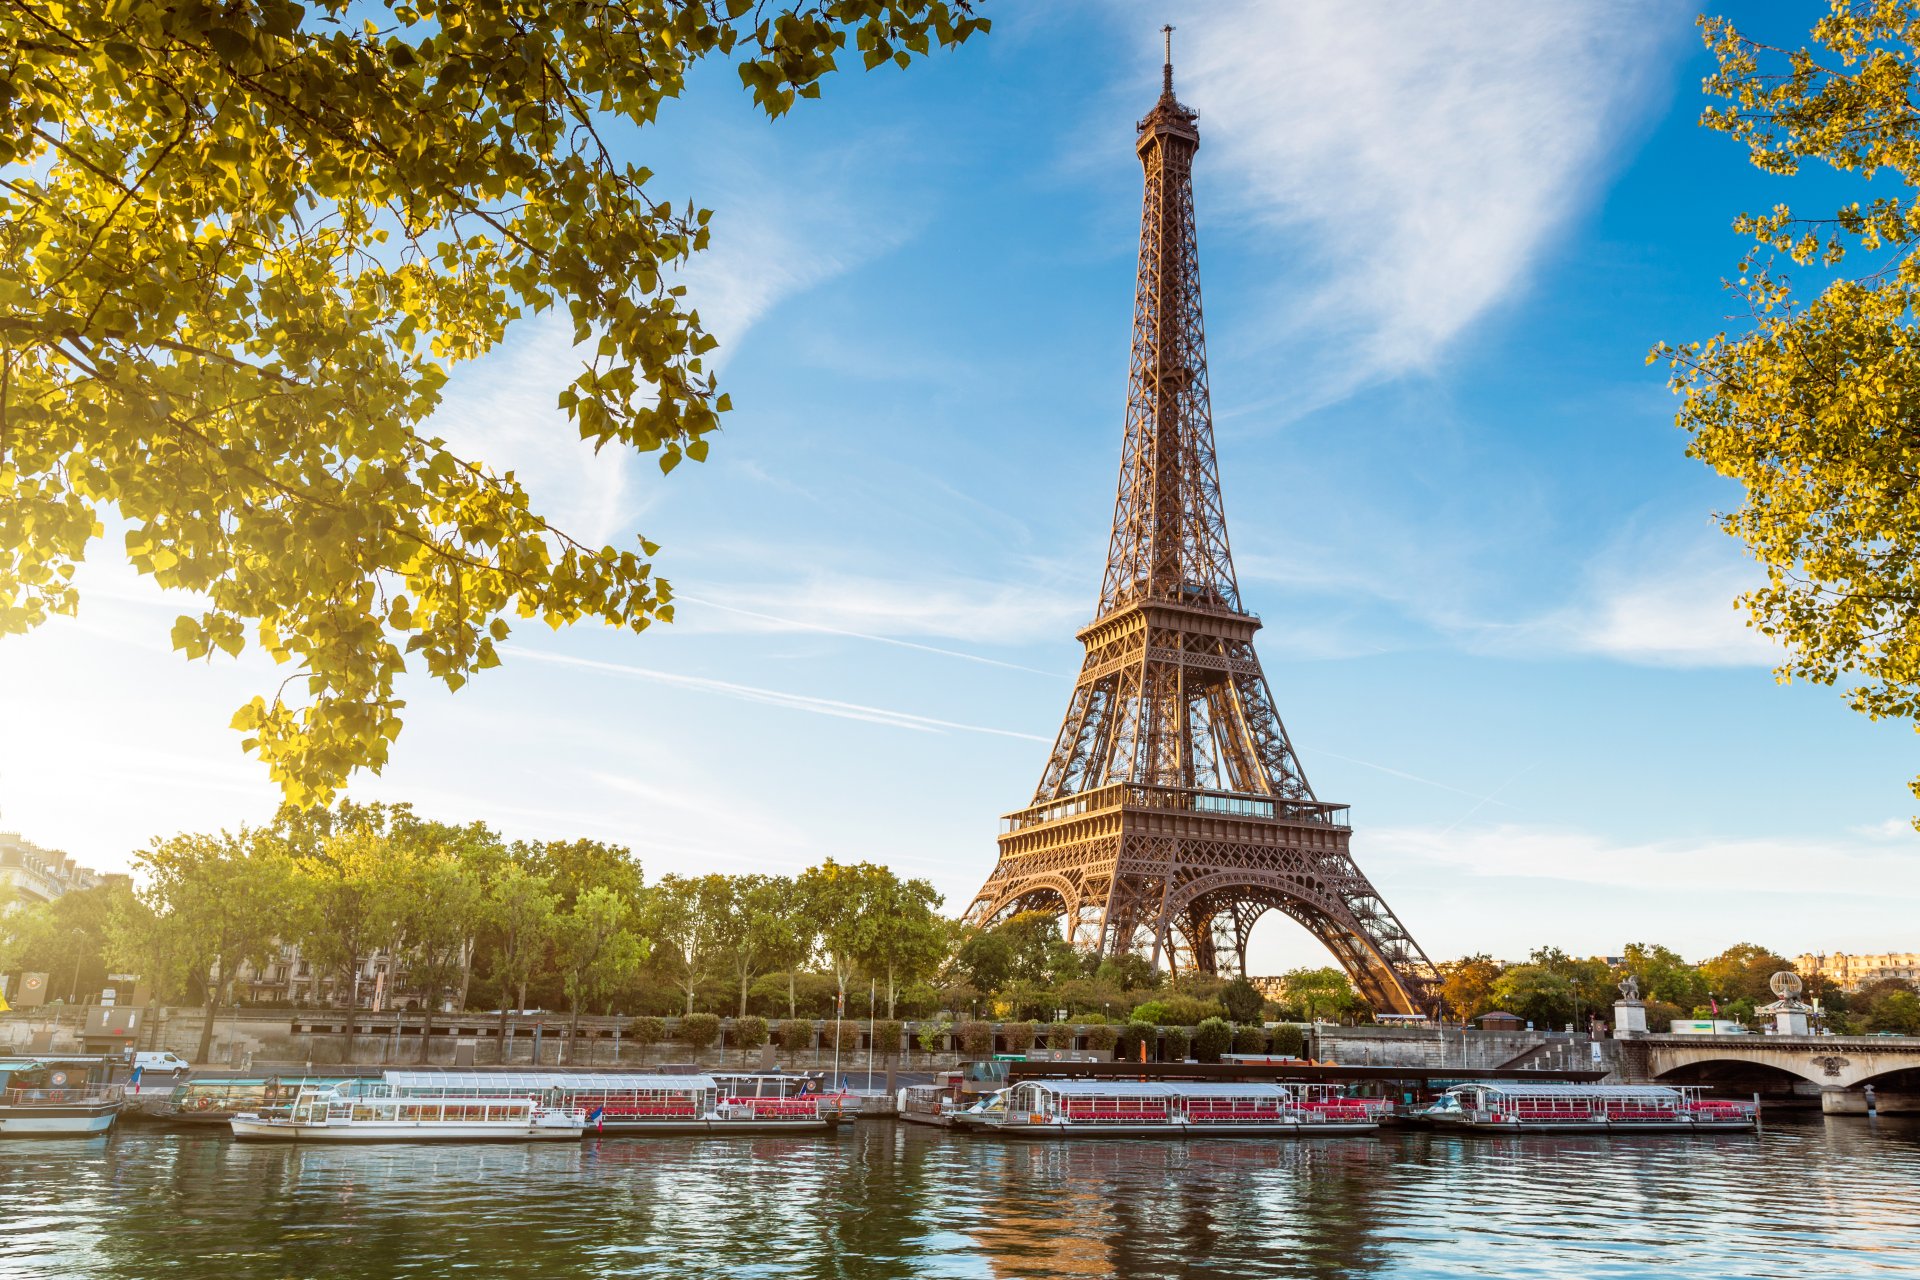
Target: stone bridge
{"type": "Point", "coordinates": [1838, 1069]}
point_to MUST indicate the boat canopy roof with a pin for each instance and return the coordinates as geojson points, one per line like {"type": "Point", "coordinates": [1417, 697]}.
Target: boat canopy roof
{"type": "Point", "coordinates": [509, 1082]}
{"type": "Point", "coordinates": [1157, 1089]}
{"type": "Point", "coordinates": [1564, 1089]}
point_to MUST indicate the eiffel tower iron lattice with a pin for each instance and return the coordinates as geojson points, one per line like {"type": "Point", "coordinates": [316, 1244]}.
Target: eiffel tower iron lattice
{"type": "Point", "coordinates": [1173, 812]}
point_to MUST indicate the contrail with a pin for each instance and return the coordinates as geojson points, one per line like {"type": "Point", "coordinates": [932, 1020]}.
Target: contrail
{"type": "Point", "coordinates": [775, 697]}
{"type": "Point", "coordinates": [865, 635]}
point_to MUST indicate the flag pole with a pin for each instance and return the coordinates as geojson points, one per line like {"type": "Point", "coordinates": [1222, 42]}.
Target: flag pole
{"type": "Point", "coordinates": [873, 991]}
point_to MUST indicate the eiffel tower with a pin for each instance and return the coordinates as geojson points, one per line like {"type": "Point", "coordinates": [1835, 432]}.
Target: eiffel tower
{"type": "Point", "coordinates": [1173, 812]}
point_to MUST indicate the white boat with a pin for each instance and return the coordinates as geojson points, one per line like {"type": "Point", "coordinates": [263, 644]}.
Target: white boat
{"type": "Point", "coordinates": [54, 1098]}
{"type": "Point", "coordinates": [1165, 1108]}
{"type": "Point", "coordinates": [635, 1103]}
{"type": "Point", "coordinates": [1510, 1106]}
{"type": "Point", "coordinates": [336, 1115]}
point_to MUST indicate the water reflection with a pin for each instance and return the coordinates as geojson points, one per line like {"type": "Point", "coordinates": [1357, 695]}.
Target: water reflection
{"type": "Point", "coordinates": [1839, 1197]}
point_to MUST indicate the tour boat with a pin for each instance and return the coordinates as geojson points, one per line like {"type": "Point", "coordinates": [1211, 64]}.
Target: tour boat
{"type": "Point", "coordinates": [215, 1102]}
{"type": "Point", "coordinates": [636, 1103]}
{"type": "Point", "coordinates": [931, 1104]}
{"type": "Point", "coordinates": [1509, 1106]}
{"type": "Point", "coordinates": [340, 1115]}
{"type": "Point", "coordinates": [55, 1098]}
{"type": "Point", "coordinates": [1165, 1108]}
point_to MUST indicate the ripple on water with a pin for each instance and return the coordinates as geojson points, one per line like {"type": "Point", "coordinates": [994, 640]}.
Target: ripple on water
{"type": "Point", "coordinates": [1836, 1197]}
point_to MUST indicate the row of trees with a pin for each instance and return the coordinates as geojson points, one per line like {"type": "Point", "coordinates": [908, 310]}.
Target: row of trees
{"type": "Point", "coordinates": [463, 915]}
{"type": "Point", "coordinates": [457, 914]}
{"type": "Point", "coordinates": [1552, 988]}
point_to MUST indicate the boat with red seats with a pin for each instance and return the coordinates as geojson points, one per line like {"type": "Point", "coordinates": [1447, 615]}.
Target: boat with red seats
{"type": "Point", "coordinates": [635, 1103]}
{"type": "Point", "coordinates": [1518, 1106]}
{"type": "Point", "coordinates": [1168, 1108]}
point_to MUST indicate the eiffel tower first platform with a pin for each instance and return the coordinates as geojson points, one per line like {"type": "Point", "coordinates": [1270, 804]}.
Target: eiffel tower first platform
{"type": "Point", "coordinates": [1173, 813]}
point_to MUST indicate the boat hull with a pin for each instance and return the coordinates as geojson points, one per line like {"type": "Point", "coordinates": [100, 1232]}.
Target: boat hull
{"type": "Point", "coordinates": [1596, 1126]}
{"type": "Point", "coordinates": [253, 1130]}
{"type": "Point", "coordinates": [1168, 1129]}
{"type": "Point", "coordinates": [670, 1128]}
{"type": "Point", "coordinates": [57, 1121]}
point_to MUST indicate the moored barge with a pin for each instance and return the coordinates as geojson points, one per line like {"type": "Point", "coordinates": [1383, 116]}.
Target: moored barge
{"type": "Point", "coordinates": [55, 1098]}
{"type": "Point", "coordinates": [336, 1115]}
{"type": "Point", "coordinates": [1169, 1108]}
{"type": "Point", "coordinates": [635, 1103]}
{"type": "Point", "coordinates": [1510, 1106]}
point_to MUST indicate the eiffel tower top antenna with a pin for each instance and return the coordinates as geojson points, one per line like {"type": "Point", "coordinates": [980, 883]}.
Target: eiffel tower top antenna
{"type": "Point", "coordinates": [1166, 69]}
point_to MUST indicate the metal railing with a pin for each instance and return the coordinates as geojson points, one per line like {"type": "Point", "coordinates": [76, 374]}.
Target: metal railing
{"type": "Point", "coordinates": [1232, 804]}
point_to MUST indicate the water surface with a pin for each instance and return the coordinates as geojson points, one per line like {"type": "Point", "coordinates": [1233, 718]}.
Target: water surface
{"type": "Point", "coordinates": [1814, 1197]}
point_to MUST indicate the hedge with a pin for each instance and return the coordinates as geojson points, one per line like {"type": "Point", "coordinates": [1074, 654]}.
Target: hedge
{"type": "Point", "coordinates": [749, 1032]}
{"type": "Point", "coordinates": [1211, 1039]}
{"type": "Point", "coordinates": [647, 1031]}
{"type": "Point", "coordinates": [796, 1035]}
{"type": "Point", "coordinates": [974, 1037]}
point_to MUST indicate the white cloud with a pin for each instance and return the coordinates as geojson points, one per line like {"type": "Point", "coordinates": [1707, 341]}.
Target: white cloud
{"type": "Point", "coordinates": [1775, 865]}
{"type": "Point", "coordinates": [807, 702]}
{"type": "Point", "coordinates": [1420, 156]}
{"type": "Point", "coordinates": [875, 608]}
{"type": "Point", "coordinates": [779, 229]}
{"type": "Point", "coordinates": [1652, 600]}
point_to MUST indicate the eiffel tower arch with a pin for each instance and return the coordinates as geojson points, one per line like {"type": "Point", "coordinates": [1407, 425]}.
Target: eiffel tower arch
{"type": "Point", "coordinates": [1172, 813]}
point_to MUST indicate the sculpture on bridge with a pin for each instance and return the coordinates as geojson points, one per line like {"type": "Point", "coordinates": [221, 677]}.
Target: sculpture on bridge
{"type": "Point", "coordinates": [1630, 988]}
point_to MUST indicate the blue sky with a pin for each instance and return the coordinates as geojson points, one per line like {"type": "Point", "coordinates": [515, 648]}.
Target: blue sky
{"type": "Point", "coordinates": [1436, 245]}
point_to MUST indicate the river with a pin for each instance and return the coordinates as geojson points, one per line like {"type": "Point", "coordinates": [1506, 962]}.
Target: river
{"type": "Point", "coordinates": [1808, 1197]}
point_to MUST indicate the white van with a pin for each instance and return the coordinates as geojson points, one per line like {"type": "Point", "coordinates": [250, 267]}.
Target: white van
{"type": "Point", "coordinates": [166, 1061]}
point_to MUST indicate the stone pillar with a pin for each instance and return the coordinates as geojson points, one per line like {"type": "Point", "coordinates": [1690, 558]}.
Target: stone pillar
{"type": "Point", "coordinates": [1629, 1019]}
{"type": "Point", "coordinates": [1790, 1022]}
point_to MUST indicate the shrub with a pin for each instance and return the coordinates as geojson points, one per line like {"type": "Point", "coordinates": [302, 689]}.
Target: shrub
{"type": "Point", "coordinates": [1250, 1040]}
{"type": "Point", "coordinates": [1290, 1042]}
{"type": "Point", "coordinates": [749, 1032]}
{"type": "Point", "coordinates": [1154, 1011]}
{"type": "Point", "coordinates": [974, 1037]}
{"type": "Point", "coordinates": [796, 1035]}
{"type": "Point", "coordinates": [1102, 1037]}
{"type": "Point", "coordinates": [933, 1036]}
{"type": "Point", "coordinates": [647, 1031]}
{"type": "Point", "coordinates": [698, 1030]}
{"type": "Point", "coordinates": [846, 1033]}
{"type": "Point", "coordinates": [1174, 1044]}
{"type": "Point", "coordinates": [887, 1037]}
{"type": "Point", "coordinates": [1211, 1039]}
{"type": "Point", "coordinates": [1132, 1037]}
{"type": "Point", "coordinates": [1018, 1036]}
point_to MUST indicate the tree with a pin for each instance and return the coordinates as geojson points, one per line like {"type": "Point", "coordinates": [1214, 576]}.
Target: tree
{"type": "Point", "coordinates": [346, 908]}
{"type": "Point", "coordinates": [442, 902]}
{"type": "Point", "coordinates": [753, 929]}
{"type": "Point", "coordinates": [1538, 994]}
{"type": "Point", "coordinates": [837, 900]}
{"type": "Point", "coordinates": [67, 938]}
{"type": "Point", "coordinates": [247, 243]}
{"type": "Point", "coordinates": [1664, 976]}
{"type": "Point", "coordinates": [1743, 971]}
{"type": "Point", "coordinates": [598, 948]}
{"type": "Point", "coordinates": [1319, 993]}
{"type": "Point", "coordinates": [519, 910]}
{"type": "Point", "coordinates": [1810, 406]}
{"type": "Point", "coordinates": [1466, 985]}
{"type": "Point", "coordinates": [144, 941]}
{"type": "Point", "coordinates": [686, 916]}
{"type": "Point", "coordinates": [898, 936]}
{"type": "Point", "coordinates": [1242, 1001]}
{"type": "Point", "coordinates": [223, 899]}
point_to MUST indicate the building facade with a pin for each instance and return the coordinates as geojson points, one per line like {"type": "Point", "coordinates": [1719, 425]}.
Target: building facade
{"type": "Point", "coordinates": [30, 874]}
{"type": "Point", "coordinates": [1851, 972]}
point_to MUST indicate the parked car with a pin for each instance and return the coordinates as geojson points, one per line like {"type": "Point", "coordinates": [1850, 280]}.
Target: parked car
{"type": "Point", "coordinates": [161, 1061]}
